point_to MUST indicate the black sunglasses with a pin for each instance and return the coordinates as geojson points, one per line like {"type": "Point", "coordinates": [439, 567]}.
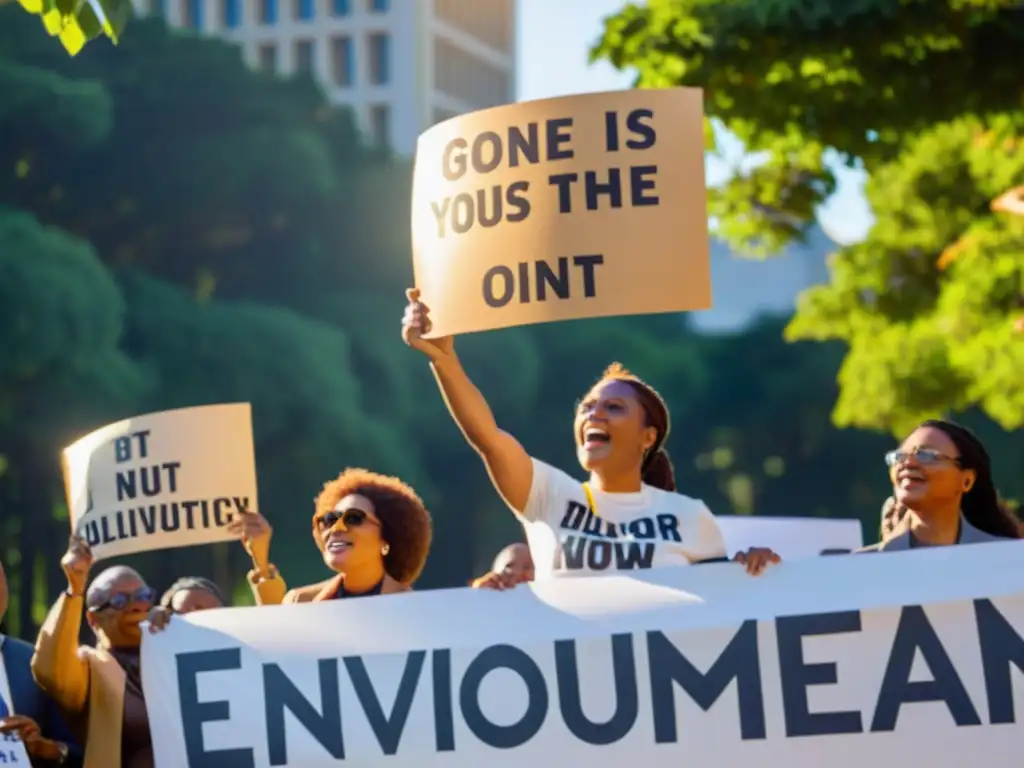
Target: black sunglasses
{"type": "Point", "coordinates": [120, 600]}
{"type": "Point", "coordinates": [350, 518]}
{"type": "Point", "coordinates": [925, 456]}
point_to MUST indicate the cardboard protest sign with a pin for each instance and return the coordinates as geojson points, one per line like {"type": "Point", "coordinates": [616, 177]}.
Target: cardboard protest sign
{"type": "Point", "coordinates": [12, 750]}
{"type": "Point", "coordinates": [586, 206]}
{"type": "Point", "coordinates": [163, 480]}
{"type": "Point", "coordinates": [862, 660]}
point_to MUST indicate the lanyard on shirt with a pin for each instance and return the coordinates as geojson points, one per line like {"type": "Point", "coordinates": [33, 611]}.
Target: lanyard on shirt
{"type": "Point", "coordinates": [590, 499]}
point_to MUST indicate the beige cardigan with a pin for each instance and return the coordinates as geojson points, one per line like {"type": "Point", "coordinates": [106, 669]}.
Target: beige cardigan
{"type": "Point", "coordinates": [87, 683]}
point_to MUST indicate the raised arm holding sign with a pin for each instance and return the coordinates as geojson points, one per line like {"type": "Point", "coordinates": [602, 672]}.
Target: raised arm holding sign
{"type": "Point", "coordinates": [627, 516]}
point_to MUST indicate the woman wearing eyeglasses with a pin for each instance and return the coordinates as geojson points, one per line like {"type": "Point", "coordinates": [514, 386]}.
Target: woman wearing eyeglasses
{"type": "Point", "coordinates": [373, 531]}
{"type": "Point", "coordinates": [944, 493]}
{"type": "Point", "coordinates": [99, 689]}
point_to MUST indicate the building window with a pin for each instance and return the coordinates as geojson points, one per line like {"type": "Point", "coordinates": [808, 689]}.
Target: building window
{"type": "Point", "coordinates": [380, 58]}
{"type": "Point", "coordinates": [465, 77]}
{"type": "Point", "coordinates": [268, 11]}
{"type": "Point", "coordinates": [343, 61]}
{"type": "Point", "coordinates": [380, 124]}
{"type": "Point", "coordinates": [341, 7]}
{"type": "Point", "coordinates": [230, 14]}
{"type": "Point", "coordinates": [304, 51]}
{"type": "Point", "coordinates": [192, 14]}
{"type": "Point", "coordinates": [491, 22]}
{"type": "Point", "coordinates": [268, 57]}
{"type": "Point", "coordinates": [303, 10]}
{"type": "Point", "coordinates": [378, 6]}
{"type": "Point", "coordinates": [158, 8]}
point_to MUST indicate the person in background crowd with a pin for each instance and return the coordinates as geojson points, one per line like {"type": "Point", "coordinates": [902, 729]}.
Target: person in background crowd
{"type": "Point", "coordinates": [192, 593]}
{"type": "Point", "coordinates": [512, 566]}
{"type": "Point", "coordinates": [30, 714]}
{"type": "Point", "coordinates": [627, 515]}
{"type": "Point", "coordinates": [373, 531]}
{"type": "Point", "coordinates": [187, 594]}
{"type": "Point", "coordinates": [99, 689]}
{"type": "Point", "coordinates": [944, 492]}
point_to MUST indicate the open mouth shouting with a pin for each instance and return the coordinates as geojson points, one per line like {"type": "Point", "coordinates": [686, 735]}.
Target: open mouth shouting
{"type": "Point", "coordinates": [594, 437]}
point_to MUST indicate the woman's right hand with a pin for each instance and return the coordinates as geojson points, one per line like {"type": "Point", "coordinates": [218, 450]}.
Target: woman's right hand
{"type": "Point", "coordinates": [76, 564]}
{"type": "Point", "coordinates": [497, 580]}
{"type": "Point", "coordinates": [416, 322]}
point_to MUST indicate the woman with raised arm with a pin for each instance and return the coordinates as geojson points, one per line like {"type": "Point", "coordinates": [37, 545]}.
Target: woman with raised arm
{"type": "Point", "coordinates": [944, 492]}
{"type": "Point", "coordinates": [628, 515]}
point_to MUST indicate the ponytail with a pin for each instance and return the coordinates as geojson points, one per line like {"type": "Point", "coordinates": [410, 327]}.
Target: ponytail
{"type": "Point", "coordinates": [659, 472]}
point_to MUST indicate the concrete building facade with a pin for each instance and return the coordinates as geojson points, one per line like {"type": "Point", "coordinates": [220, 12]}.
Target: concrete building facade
{"type": "Point", "coordinates": [401, 65]}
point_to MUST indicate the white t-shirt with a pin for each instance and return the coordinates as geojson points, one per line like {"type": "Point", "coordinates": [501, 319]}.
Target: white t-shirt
{"type": "Point", "coordinates": [647, 529]}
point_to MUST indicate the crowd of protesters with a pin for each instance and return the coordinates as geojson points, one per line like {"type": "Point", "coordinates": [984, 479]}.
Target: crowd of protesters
{"type": "Point", "coordinates": [76, 705]}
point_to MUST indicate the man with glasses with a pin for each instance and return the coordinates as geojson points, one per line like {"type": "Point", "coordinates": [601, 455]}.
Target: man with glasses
{"type": "Point", "coordinates": [99, 688]}
{"type": "Point", "coordinates": [25, 711]}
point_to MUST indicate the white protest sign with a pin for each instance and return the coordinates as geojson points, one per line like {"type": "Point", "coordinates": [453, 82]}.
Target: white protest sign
{"type": "Point", "coordinates": [12, 751]}
{"type": "Point", "coordinates": [872, 659]}
{"type": "Point", "coordinates": [790, 537]}
{"type": "Point", "coordinates": [163, 480]}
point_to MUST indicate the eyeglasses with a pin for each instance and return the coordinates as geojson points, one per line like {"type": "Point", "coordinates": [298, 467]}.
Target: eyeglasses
{"type": "Point", "coordinates": [926, 456]}
{"type": "Point", "coordinates": [121, 600]}
{"type": "Point", "coordinates": [350, 518]}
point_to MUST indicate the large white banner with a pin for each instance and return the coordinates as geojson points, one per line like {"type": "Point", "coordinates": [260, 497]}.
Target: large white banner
{"type": "Point", "coordinates": [163, 480]}
{"type": "Point", "coordinates": [791, 537]}
{"type": "Point", "coordinates": [878, 659]}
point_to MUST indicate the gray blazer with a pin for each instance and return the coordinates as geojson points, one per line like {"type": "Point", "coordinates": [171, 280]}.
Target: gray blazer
{"type": "Point", "coordinates": [900, 540]}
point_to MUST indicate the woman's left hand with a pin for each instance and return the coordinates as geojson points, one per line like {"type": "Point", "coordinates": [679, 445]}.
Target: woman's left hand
{"type": "Point", "coordinates": [26, 729]}
{"type": "Point", "coordinates": [255, 532]}
{"type": "Point", "coordinates": [756, 559]}
{"type": "Point", "coordinates": [159, 617]}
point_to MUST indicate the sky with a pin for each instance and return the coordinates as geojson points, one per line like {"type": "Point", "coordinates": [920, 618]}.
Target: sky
{"type": "Point", "coordinates": [554, 39]}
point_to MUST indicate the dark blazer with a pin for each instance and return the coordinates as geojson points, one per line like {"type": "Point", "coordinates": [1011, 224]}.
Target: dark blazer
{"type": "Point", "coordinates": [900, 540]}
{"type": "Point", "coordinates": [29, 699]}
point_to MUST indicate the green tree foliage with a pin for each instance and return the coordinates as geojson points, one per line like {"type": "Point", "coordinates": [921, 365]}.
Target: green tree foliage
{"type": "Point", "coordinates": [925, 96]}
{"type": "Point", "coordinates": [76, 22]}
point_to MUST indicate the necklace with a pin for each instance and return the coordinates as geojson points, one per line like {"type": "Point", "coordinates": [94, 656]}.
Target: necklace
{"type": "Point", "coordinates": [590, 499]}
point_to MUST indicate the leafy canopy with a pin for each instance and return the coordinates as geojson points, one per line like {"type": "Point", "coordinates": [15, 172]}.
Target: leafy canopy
{"type": "Point", "coordinates": [76, 22]}
{"type": "Point", "coordinates": [926, 97]}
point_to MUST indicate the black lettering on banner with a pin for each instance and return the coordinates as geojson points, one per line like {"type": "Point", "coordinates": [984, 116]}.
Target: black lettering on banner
{"type": "Point", "coordinates": [444, 709]}
{"type": "Point", "coordinates": [536, 278]}
{"type": "Point", "coordinates": [640, 184]}
{"type": "Point", "coordinates": [570, 697]}
{"type": "Point", "coordinates": [194, 713]}
{"type": "Point", "coordinates": [1002, 648]}
{"type": "Point", "coordinates": [739, 661]}
{"type": "Point", "coordinates": [553, 277]}
{"type": "Point", "coordinates": [165, 517]}
{"type": "Point", "coordinates": [123, 446]}
{"type": "Point", "coordinates": [914, 634]}
{"type": "Point", "coordinates": [637, 123]}
{"type": "Point", "coordinates": [281, 694]}
{"type": "Point", "coordinates": [515, 660]}
{"type": "Point", "coordinates": [797, 675]}
{"type": "Point", "coordinates": [387, 728]}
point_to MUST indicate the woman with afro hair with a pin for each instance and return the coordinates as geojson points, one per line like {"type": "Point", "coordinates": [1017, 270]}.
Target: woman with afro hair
{"type": "Point", "coordinates": [373, 531]}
